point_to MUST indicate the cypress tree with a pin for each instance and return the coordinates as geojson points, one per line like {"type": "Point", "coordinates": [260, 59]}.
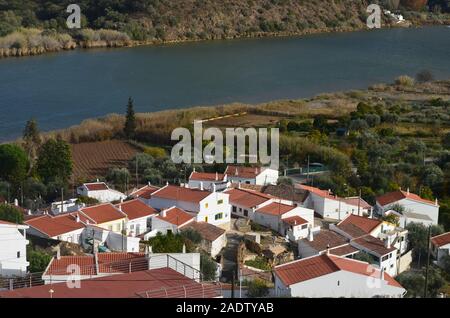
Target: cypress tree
{"type": "Point", "coordinates": [130, 122]}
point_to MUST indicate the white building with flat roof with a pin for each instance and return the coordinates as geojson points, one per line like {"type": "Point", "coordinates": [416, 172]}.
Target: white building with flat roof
{"type": "Point", "coordinates": [13, 249]}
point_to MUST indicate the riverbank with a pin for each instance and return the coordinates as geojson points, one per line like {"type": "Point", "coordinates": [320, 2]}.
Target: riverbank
{"type": "Point", "coordinates": [30, 42]}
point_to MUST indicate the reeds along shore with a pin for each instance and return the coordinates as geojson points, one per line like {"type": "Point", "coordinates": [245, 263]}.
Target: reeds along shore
{"type": "Point", "coordinates": [27, 42]}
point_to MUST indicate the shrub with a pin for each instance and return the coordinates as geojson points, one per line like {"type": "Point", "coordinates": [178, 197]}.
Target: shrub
{"type": "Point", "coordinates": [424, 76]}
{"type": "Point", "coordinates": [257, 288]}
{"type": "Point", "coordinates": [404, 80]}
{"type": "Point", "coordinates": [260, 263]}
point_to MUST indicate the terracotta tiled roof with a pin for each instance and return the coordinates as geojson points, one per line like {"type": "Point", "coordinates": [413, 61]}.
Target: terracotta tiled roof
{"type": "Point", "coordinates": [103, 213]}
{"type": "Point", "coordinates": [136, 209]}
{"type": "Point", "coordinates": [205, 176]}
{"type": "Point", "coordinates": [54, 226]}
{"type": "Point", "coordinates": [317, 191]}
{"type": "Point", "coordinates": [317, 266]}
{"type": "Point", "coordinates": [287, 192]}
{"type": "Point", "coordinates": [366, 225]}
{"type": "Point", "coordinates": [344, 250]}
{"type": "Point", "coordinates": [325, 238]}
{"type": "Point", "coordinates": [295, 220]}
{"type": "Point", "coordinates": [97, 186]}
{"type": "Point", "coordinates": [305, 269]}
{"type": "Point", "coordinates": [144, 192]}
{"type": "Point", "coordinates": [59, 267]}
{"type": "Point", "coordinates": [247, 198]}
{"type": "Point", "coordinates": [176, 216]}
{"type": "Point", "coordinates": [354, 201]}
{"type": "Point", "coordinates": [352, 230]}
{"type": "Point", "coordinates": [374, 245]}
{"type": "Point", "coordinates": [243, 172]}
{"type": "Point", "coordinates": [275, 208]}
{"type": "Point", "coordinates": [441, 240]}
{"type": "Point", "coordinates": [395, 196]}
{"type": "Point", "coordinates": [181, 194]}
{"type": "Point", "coordinates": [121, 262]}
{"type": "Point", "coordinates": [130, 285]}
{"type": "Point", "coordinates": [208, 231]}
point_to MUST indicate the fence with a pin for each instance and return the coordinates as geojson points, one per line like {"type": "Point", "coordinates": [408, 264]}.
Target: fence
{"type": "Point", "coordinates": [54, 276]}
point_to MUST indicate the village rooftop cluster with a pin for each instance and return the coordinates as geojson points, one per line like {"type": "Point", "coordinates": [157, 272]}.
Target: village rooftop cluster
{"type": "Point", "coordinates": [324, 230]}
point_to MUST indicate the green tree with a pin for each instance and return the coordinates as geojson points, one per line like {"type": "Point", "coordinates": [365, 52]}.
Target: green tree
{"type": "Point", "coordinates": [208, 267]}
{"type": "Point", "coordinates": [14, 163]}
{"type": "Point", "coordinates": [130, 121]}
{"type": "Point", "coordinates": [170, 243]}
{"type": "Point", "coordinates": [418, 239]}
{"type": "Point", "coordinates": [38, 259]}
{"type": "Point", "coordinates": [191, 235]}
{"type": "Point", "coordinates": [120, 177]}
{"type": "Point", "coordinates": [10, 213]}
{"type": "Point", "coordinates": [31, 140]}
{"type": "Point", "coordinates": [55, 161]}
{"type": "Point", "coordinates": [9, 22]}
{"type": "Point", "coordinates": [257, 288]}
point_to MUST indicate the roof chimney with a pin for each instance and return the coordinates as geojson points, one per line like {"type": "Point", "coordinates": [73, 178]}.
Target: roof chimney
{"type": "Point", "coordinates": [193, 170]}
{"type": "Point", "coordinates": [58, 253]}
{"type": "Point", "coordinates": [98, 180]}
{"type": "Point", "coordinates": [436, 202]}
{"type": "Point", "coordinates": [167, 183]}
{"type": "Point", "coordinates": [16, 202]}
{"type": "Point", "coordinates": [239, 185]}
{"type": "Point", "coordinates": [328, 249]}
{"type": "Point", "coordinates": [214, 187]}
{"type": "Point", "coordinates": [407, 190]}
{"type": "Point", "coordinates": [201, 185]}
{"type": "Point", "coordinates": [120, 208]}
{"type": "Point", "coordinates": [236, 172]}
{"type": "Point", "coordinates": [382, 273]}
{"type": "Point", "coordinates": [149, 183]}
{"type": "Point", "coordinates": [29, 211]}
{"type": "Point", "coordinates": [217, 176]}
{"type": "Point", "coordinates": [164, 213]}
{"type": "Point", "coordinates": [387, 242]}
{"type": "Point", "coordinates": [184, 248]}
{"type": "Point", "coordinates": [310, 234]}
{"type": "Point", "coordinates": [78, 218]}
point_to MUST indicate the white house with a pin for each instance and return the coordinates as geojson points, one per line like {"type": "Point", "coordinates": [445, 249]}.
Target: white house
{"type": "Point", "coordinates": [333, 207]}
{"type": "Point", "coordinates": [208, 181]}
{"type": "Point", "coordinates": [171, 220]}
{"type": "Point", "coordinates": [144, 193]}
{"type": "Point", "coordinates": [210, 207]}
{"type": "Point", "coordinates": [417, 209]}
{"type": "Point", "coordinates": [214, 238]}
{"type": "Point", "coordinates": [70, 205]}
{"type": "Point", "coordinates": [334, 277]}
{"type": "Point", "coordinates": [101, 192]}
{"type": "Point", "coordinates": [441, 247]}
{"type": "Point", "coordinates": [252, 175]}
{"type": "Point", "coordinates": [138, 216]}
{"type": "Point", "coordinates": [13, 249]}
{"type": "Point", "coordinates": [65, 227]}
{"type": "Point", "coordinates": [101, 239]}
{"type": "Point", "coordinates": [288, 220]}
{"type": "Point", "coordinates": [244, 202]}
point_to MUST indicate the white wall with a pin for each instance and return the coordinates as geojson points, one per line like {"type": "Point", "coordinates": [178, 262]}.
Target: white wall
{"type": "Point", "coordinates": [139, 226]}
{"type": "Point", "coordinates": [432, 211]}
{"type": "Point", "coordinates": [267, 176]}
{"type": "Point", "coordinates": [339, 284]}
{"type": "Point", "coordinates": [163, 227]}
{"type": "Point", "coordinates": [13, 251]}
{"type": "Point", "coordinates": [218, 245]}
{"type": "Point", "coordinates": [104, 196]}
{"type": "Point", "coordinates": [210, 208]}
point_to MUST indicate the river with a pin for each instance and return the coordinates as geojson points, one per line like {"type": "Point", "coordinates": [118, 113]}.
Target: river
{"type": "Point", "coordinates": [62, 89]}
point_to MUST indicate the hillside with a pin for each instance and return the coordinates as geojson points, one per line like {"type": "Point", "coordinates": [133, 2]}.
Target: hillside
{"type": "Point", "coordinates": [126, 22]}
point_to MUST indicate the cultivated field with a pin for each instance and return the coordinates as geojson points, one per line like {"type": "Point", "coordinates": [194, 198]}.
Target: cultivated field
{"type": "Point", "coordinates": [94, 159]}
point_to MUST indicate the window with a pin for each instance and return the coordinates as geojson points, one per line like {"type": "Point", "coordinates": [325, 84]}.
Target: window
{"type": "Point", "coordinates": [220, 201]}
{"type": "Point", "coordinates": [206, 219]}
{"type": "Point", "coordinates": [206, 205]}
{"type": "Point", "coordinates": [234, 209]}
{"type": "Point", "coordinates": [18, 254]}
{"type": "Point", "coordinates": [218, 216]}
{"type": "Point", "coordinates": [246, 212]}
{"type": "Point", "coordinates": [304, 226]}
{"type": "Point", "coordinates": [110, 227]}
{"type": "Point", "coordinates": [132, 227]}
{"type": "Point", "coordinates": [247, 182]}
{"type": "Point", "coordinates": [240, 209]}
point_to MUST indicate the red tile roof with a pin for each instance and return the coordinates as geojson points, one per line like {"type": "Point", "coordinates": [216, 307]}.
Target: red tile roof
{"type": "Point", "coordinates": [395, 196]}
{"type": "Point", "coordinates": [317, 266]}
{"type": "Point", "coordinates": [208, 231]}
{"type": "Point", "coordinates": [54, 226]}
{"type": "Point", "coordinates": [144, 192]}
{"type": "Point", "coordinates": [441, 240]}
{"type": "Point", "coordinates": [275, 208]}
{"type": "Point", "coordinates": [367, 225]}
{"type": "Point", "coordinates": [149, 283]}
{"type": "Point", "coordinates": [136, 209]}
{"type": "Point", "coordinates": [328, 195]}
{"type": "Point", "coordinates": [354, 201]}
{"type": "Point", "coordinates": [247, 198]}
{"type": "Point", "coordinates": [102, 213]}
{"type": "Point", "coordinates": [205, 176]}
{"type": "Point", "coordinates": [176, 216]}
{"type": "Point", "coordinates": [317, 191]}
{"type": "Point", "coordinates": [59, 267]}
{"type": "Point", "coordinates": [181, 194]}
{"type": "Point", "coordinates": [97, 186]}
{"type": "Point", "coordinates": [295, 220]}
{"type": "Point", "coordinates": [374, 245]}
{"type": "Point", "coordinates": [344, 250]}
{"type": "Point", "coordinates": [324, 239]}
{"type": "Point", "coordinates": [243, 172]}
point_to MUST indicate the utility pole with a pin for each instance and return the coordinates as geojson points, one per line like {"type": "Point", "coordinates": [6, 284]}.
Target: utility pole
{"type": "Point", "coordinates": [359, 202]}
{"type": "Point", "coordinates": [425, 290]}
{"type": "Point", "coordinates": [62, 200]}
{"type": "Point", "coordinates": [137, 177]}
{"type": "Point", "coordinates": [307, 173]}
